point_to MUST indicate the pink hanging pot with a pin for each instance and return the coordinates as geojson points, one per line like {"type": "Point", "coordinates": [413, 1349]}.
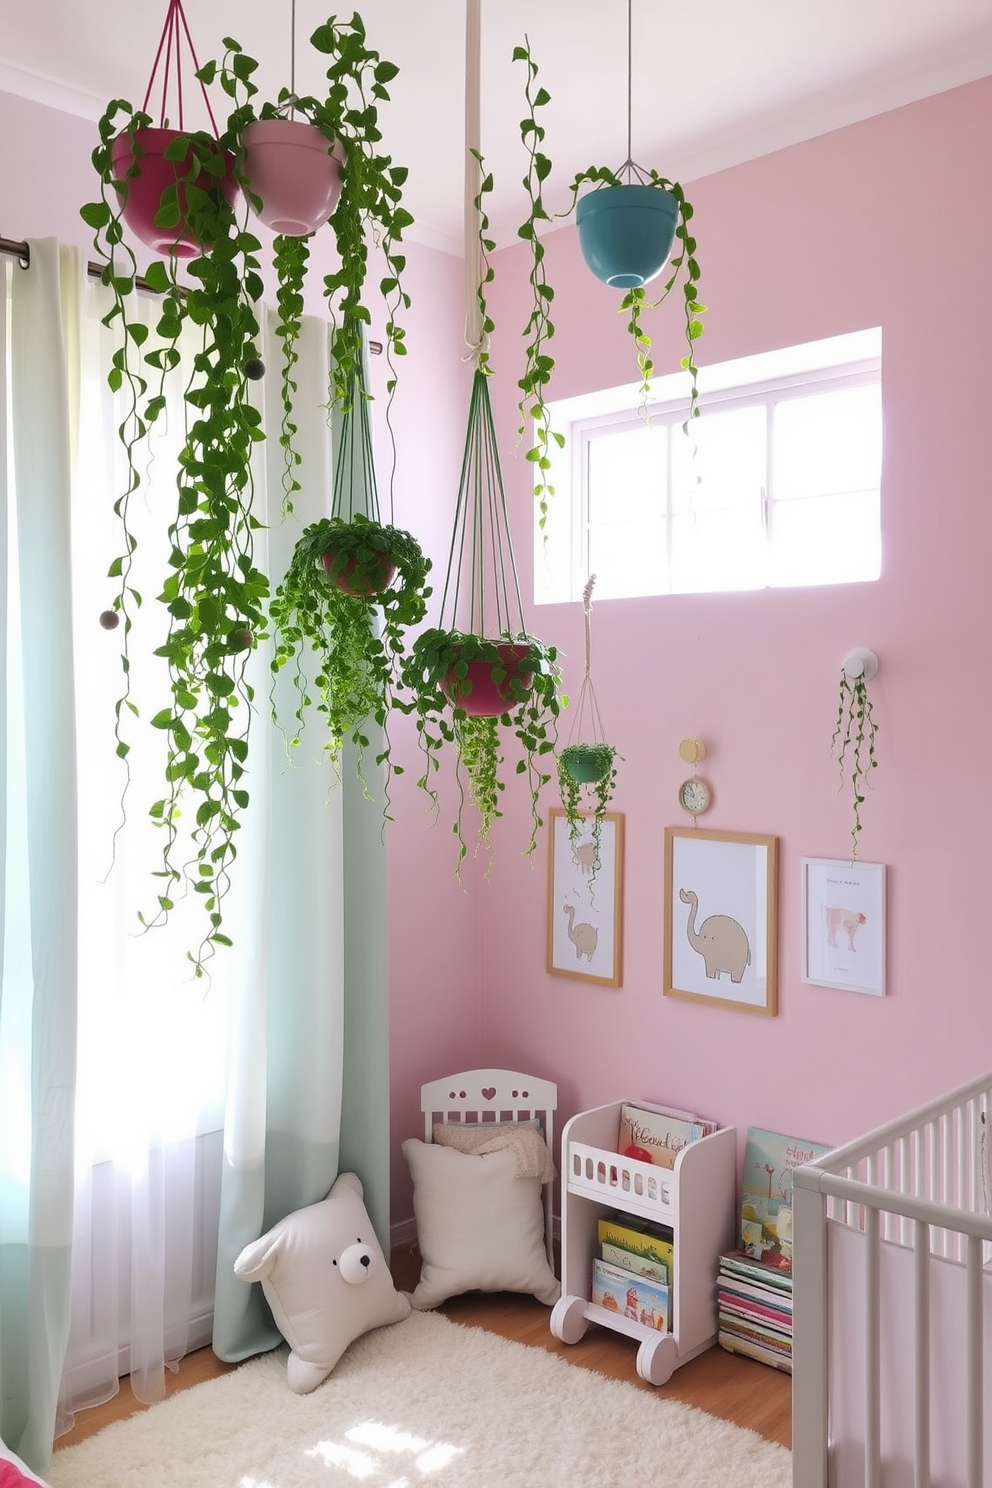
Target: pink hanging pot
{"type": "Point", "coordinates": [139, 160]}
{"type": "Point", "coordinates": [291, 167]}
{"type": "Point", "coordinates": [478, 693]}
{"type": "Point", "coordinates": [143, 151]}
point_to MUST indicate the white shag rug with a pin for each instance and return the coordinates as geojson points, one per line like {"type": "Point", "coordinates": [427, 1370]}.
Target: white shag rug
{"type": "Point", "coordinates": [425, 1403]}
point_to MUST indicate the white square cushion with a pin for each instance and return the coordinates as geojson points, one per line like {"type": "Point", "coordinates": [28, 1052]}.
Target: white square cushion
{"type": "Point", "coordinates": [479, 1227]}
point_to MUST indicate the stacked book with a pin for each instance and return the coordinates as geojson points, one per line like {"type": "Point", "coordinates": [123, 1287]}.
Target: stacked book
{"type": "Point", "coordinates": [754, 1284]}
{"type": "Point", "coordinates": [632, 1272]}
{"type": "Point", "coordinates": [656, 1134]}
{"type": "Point", "coordinates": [755, 1310]}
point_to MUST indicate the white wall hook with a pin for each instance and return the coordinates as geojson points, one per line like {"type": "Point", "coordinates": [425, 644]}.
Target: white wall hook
{"type": "Point", "coordinates": [861, 662]}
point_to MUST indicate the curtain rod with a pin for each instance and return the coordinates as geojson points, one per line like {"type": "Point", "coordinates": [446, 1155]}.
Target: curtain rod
{"type": "Point", "coordinates": [22, 252]}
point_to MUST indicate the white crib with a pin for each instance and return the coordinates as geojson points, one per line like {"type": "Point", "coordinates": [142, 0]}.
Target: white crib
{"type": "Point", "coordinates": [892, 1346]}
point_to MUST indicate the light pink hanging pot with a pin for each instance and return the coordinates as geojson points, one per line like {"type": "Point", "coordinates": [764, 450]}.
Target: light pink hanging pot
{"type": "Point", "coordinates": [296, 173]}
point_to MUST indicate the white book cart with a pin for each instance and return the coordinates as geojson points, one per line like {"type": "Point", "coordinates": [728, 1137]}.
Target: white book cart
{"type": "Point", "coordinates": [697, 1199]}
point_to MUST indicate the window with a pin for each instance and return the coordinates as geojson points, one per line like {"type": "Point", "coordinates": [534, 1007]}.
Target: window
{"type": "Point", "coordinates": [775, 485]}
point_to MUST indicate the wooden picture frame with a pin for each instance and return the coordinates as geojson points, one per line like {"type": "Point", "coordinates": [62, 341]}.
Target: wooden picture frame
{"type": "Point", "coordinates": [728, 882]}
{"type": "Point", "coordinates": [844, 925]}
{"type": "Point", "coordinates": [585, 899]}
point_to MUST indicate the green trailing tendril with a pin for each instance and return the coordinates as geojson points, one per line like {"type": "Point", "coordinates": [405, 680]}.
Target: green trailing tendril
{"type": "Point", "coordinates": [853, 745]}
{"type": "Point", "coordinates": [540, 327]}
{"type": "Point", "coordinates": [290, 256]}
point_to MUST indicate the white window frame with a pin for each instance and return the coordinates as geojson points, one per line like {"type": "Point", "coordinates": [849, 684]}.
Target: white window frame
{"type": "Point", "coordinates": [561, 549]}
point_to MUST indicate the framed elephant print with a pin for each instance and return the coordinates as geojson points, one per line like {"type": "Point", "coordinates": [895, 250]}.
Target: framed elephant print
{"type": "Point", "coordinates": [585, 897]}
{"type": "Point", "coordinates": [721, 919]}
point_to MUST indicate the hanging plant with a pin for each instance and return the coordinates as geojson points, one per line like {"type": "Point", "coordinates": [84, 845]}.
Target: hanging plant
{"type": "Point", "coordinates": [213, 592]}
{"type": "Point", "coordinates": [586, 767]}
{"type": "Point", "coordinates": [304, 162]}
{"type": "Point", "coordinates": [352, 588]}
{"type": "Point", "coordinates": [628, 226]}
{"type": "Point", "coordinates": [853, 742]}
{"type": "Point", "coordinates": [470, 684]}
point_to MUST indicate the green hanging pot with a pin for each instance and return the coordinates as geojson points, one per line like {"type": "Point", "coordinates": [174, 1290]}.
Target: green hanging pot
{"type": "Point", "coordinates": [587, 763]}
{"type": "Point", "coordinates": [626, 233]}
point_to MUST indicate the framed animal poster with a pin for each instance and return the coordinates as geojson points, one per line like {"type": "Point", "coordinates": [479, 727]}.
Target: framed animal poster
{"type": "Point", "coordinates": [844, 925]}
{"type": "Point", "coordinates": [585, 898]}
{"type": "Point", "coordinates": [721, 919]}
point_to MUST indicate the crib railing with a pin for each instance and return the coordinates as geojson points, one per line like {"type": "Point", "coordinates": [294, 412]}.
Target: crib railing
{"type": "Point", "coordinates": [924, 1183]}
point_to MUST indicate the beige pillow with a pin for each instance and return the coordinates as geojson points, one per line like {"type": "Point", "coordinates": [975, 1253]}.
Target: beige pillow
{"type": "Point", "coordinates": [479, 1227]}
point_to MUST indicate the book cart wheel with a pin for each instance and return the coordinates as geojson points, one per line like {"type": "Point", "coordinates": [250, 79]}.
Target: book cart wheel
{"type": "Point", "coordinates": [568, 1319]}
{"type": "Point", "coordinates": [656, 1359]}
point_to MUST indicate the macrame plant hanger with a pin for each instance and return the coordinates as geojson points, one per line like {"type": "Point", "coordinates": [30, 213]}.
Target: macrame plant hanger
{"type": "Point", "coordinates": [587, 724]}
{"type": "Point", "coordinates": [586, 772]}
{"type": "Point", "coordinates": [481, 587]}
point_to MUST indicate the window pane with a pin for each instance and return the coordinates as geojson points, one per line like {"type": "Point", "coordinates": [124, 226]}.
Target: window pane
{"type": "Point", "coordinates": [730, 459]}
{"type": "Point", "coordinates": [827, 539]}
{"type": "Point", "coordinates": [717, 551]}
{"type": "Point", "coordinates": [827, 443]}
{"type": "Point", "coordinates": [626, 473]}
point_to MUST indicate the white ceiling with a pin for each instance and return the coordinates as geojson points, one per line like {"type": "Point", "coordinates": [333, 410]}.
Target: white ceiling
{"type": "Point", "coordinates": [714, 83]}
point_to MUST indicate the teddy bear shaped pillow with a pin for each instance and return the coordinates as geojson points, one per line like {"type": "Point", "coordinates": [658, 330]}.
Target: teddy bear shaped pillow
{"type": "Point", "coordinates": [325, 1278]}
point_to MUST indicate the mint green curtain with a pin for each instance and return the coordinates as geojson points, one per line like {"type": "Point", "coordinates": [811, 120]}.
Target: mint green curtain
{"type": "Point", "coordinates": [308, 1081]}
{"type": "Point", "coordinates": [39, 375]}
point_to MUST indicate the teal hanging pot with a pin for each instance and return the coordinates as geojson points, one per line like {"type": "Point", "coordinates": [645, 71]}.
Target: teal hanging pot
{"type": "Point", "coordinates": [626, 233]}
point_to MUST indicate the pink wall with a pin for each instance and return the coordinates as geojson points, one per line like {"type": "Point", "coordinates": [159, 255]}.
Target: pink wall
{"type": "Point", "coordinates": [887, 223]}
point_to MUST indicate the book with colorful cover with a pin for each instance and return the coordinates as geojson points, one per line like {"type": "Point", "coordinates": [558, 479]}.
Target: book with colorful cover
{"type": "Point", "coordinates": [621, 1292]}
{"type": "Point", "coordinates": [640, 1265]}
{"type": "Point", "coordinates": [734, 1344]}
{"type": "Point", "coordinates": [735, 1286]}
{"type": "Point", "coordinates": [736, 1263]}
{"type": "Point", "coordinates": [650, 1242]}
{"type": "Point", "coordinates": [653, 1136]}
{"type": "Point", "coordinates": [766, 1193]}
{"type": "Point", "coordinates": [747, 1309]}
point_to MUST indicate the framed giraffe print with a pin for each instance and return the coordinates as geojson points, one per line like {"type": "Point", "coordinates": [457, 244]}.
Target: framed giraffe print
{"type": "Point", "coordinates": [721, 919]}
{"type": "Point", "coordinates": [585, 897]}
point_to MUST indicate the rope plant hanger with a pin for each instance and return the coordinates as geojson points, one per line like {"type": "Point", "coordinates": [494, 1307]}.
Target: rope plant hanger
{"type": "Point", "coordinates": [479, 671]}
{"type": "Point", "coordinates": [586, 772]}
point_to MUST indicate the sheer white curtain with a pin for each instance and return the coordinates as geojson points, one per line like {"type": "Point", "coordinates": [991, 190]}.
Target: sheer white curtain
{"type": "Point", "coordinates": [183, 1083]}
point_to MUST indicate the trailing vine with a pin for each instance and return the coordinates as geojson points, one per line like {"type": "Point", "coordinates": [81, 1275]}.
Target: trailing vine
{"type": "Point", "coordinates": [853, 744]}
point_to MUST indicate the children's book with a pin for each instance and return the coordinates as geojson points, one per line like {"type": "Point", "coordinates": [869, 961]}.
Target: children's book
{"type": "Point", "coordinates": [653, 1136]}
{"type": "Point", "coordinates": [630, 1296]}
{"type": "Point", "coordinates": [641, 1265]}
{"type": "Point", "coordinates": [766, 1193]}
{"type": "Point", "coordinates": [640, 1238]}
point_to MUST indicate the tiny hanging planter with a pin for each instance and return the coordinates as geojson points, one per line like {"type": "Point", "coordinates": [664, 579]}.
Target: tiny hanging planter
{"type": "Point", "coordinates": [584, 764]}
{"type": "Point", "coordinates": [293, 172]}
{"type": "Point", "coordinates": [626, 232]}
{"type": "Point", "coordinates": [586, 768]}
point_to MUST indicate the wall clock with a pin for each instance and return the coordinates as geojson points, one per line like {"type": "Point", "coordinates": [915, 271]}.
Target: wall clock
{"type": "Point", "coordinates": [695, 795]}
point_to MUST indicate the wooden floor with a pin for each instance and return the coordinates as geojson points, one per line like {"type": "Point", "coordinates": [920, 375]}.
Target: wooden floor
{"type": "Point", "coordinates": [722, 1384]}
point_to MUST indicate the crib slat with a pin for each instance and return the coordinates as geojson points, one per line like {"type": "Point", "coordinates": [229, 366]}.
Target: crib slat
{"type": "Point", "coordinates": [921, 1464]}
{"type": "Point", "coordinates": [873, 1450]}
{"type": "Point", "coordinates": [974, 1348]}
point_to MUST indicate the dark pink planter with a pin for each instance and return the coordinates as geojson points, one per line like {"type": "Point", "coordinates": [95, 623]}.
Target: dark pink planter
{"type": "Point", "coordinates": [364, 585]}
{"type": "Point", "coordinates": [288, 165]}
{"type": "Point", "coordinates": [144, 190]}
{"type": "Point", "coordinates": [487, 699]}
